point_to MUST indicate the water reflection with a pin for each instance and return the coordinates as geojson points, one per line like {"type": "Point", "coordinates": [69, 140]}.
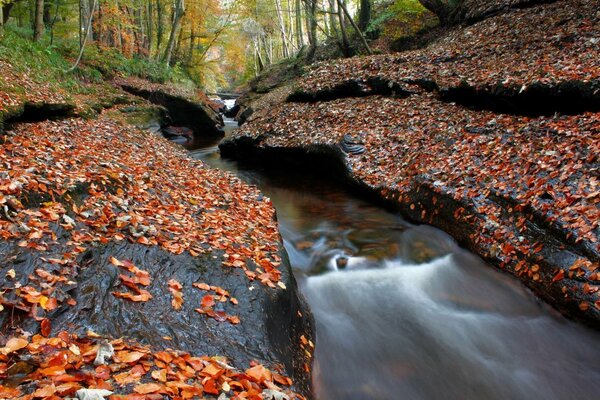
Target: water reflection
{"type": "Point", "coordinates": [404, 313]}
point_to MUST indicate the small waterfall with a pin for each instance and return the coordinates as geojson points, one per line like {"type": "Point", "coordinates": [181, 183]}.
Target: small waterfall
{"type": "Point", "coordinates": [451, 328]}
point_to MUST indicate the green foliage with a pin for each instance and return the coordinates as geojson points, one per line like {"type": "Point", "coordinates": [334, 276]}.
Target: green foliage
{"type": "Point", "coordinates": [400, 19]}
{"type": "Point", "coordinates": [108, 62]}
{"type": "Point", "coordinates": [42, 63]}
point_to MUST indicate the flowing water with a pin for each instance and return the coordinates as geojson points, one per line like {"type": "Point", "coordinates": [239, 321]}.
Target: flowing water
{"type": "Point", "coordinates": [403, 313]}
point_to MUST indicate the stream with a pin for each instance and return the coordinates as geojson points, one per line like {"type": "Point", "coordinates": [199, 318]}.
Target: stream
{"type": "Point", "coordinates": [402, 312]}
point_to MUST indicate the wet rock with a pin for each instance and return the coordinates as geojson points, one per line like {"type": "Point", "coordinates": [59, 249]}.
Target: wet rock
{"type": "Point", "coordinates": [233, 111]}
{"type": "Point", "coordinates": [172, 132]}
{"type": "Point", "coordinates": [272, 320]}
{"type": "Point", "coordinates": [202, 119]}
{"type": "Point", "coordinates": [352, 145]}
{"type": "Point", "coordinates": [32, 112]}
{"type": "Point", "coordinates": [243, 116]}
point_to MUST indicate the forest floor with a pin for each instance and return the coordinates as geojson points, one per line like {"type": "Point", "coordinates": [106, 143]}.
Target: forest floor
{"type": "Point", "coordinates": [492, 133]}
{"type": "Point", "coordinates": [90, 204]}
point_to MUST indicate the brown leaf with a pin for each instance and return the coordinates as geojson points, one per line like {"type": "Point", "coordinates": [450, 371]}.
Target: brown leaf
{"type": "Point", "coordinates": [14, 344]}
{"type": "Point", "coordinates": [147, 388]}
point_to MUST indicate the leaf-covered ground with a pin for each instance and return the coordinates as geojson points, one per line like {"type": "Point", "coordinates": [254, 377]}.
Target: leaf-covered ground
{"type": "Point", "coordinates": [17, 88]}
{"type": "Point", "coordinates": [548, 45]}
{"type": "Point", "coordinates": [86, 183]}
{"type": "Point", "coordinates": [72, 185]}
{"type": "Point", "coordinates": [523, 192]}
{"type": "Point", "coordinates": [65, 365]}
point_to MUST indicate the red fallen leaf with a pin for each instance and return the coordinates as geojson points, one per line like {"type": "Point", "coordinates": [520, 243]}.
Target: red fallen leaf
{"type": "Point", "coordinates": [282, 380]}
{"type": "Point", "coordinates": [191, 392]}
{"type": "Point", "coordinates": [48, 303]}
{"type": "Point", "coordinates": [175, 289]}
{"type": "Point", "coordinates": [146, 388]}
{"type": "Point", "coordinates": [163, 356]}
{"type": "Point", "coordinates": [212, 370]}
{"type": "Point", "coordinates": [210, 387]}
{"type": "Point", "coordinates": [259, 373]}
{"type": "Point", "coordinates": [128, 356]}
{"type": "Point", "coordinates": [137, 371]}
{"type": "Point", "coordinates": [201, 285]}
{"type": "Point", "coordinates": [79, 377]}
{"type": "Point", "coordinates": [143, 277]}
{"type": "Point", "coordinates": [7, 392]}
{"type": "Point", "coordinates": [135, 396]}
{"type": "Point", "coordinates": [159, 375]}
{"type": "Point", "coordinates": [234, 319]}
{"type": "Point", "coordinates": [103, 372]}
{"type": "Point", "coordinates": [559, 276]}
{"type": "Point", "coordinates": [125, 378]}
{"type": "Point", "coordinates": [208, 301]}
{"type": "Point", "coordinates": [116, 262]}
{"type": "Point", "coordinates": [143, 296]}
{"type": "Point", "coordinates": [14, 344]}
{"type": "Point", "coordinates": [67, 389]}
{"type": "Point", "coordinates": [59, 360]}
{"type": "Point", "coordinates": [130, 282]}
{"type": "Point", "coordinates": [53, 371]}
{"type": "Point", "coordinates": [45, 391]}
{"type": "Point", "coordinates": [45, 327]}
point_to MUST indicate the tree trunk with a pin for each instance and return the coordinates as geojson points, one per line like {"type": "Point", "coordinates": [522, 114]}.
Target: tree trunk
{"type": "Point", "coordinates": [299, 35]}
{"type": "Point", "coordinates": [345, 42]}
{"type": "Point", "coordinates": [53, 22]}
{"type": "Point", "coordinates": [177, 15]}
{"type": "Point", "coordinates": [149, 29]}
{"type": "Point", "coordinates": [47, 17]}
{"type": "Point", "coordinates": [311, 16]}
{"type": "Point", "coordinates": [6, 12]}
{"type": "Point", "coordinates": [358, 31]}
{"type": "Point", "coordinates": [332, 14]}
{"type": "Point", "coordinates": [38, 22]}
{"type": "Point", "coordinates": [159, 28]}
{"type": "Point", "coordinates": [282, 29]}
{"type": "Point", "coordinates": [92, 8]}
{"type": "Point", "coordinates": [364, 17]}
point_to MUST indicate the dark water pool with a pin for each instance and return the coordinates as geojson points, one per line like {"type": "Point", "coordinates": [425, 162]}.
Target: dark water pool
{"type": "Point", "coordinates": [403, 313]}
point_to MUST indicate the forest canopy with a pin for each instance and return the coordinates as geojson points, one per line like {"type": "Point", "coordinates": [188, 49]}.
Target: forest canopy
{"type": "Point", "coordinates": [215, 43]}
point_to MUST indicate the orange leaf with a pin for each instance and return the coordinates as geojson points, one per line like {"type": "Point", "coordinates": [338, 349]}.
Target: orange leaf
{"type": "Point", "coordinates": [53, 371]}
{"type": "Point", "coordinates": [129, 356]}
{"type": "Point", "coordinates": [45, 391]}
{"type": "Point", "coordinates": [160, 375]}
{"type": "Point", "coordinates": [7, 392]}
{"type": "Point", "coordinates": [212, 370]}
{"type": "Point", "coordinates": [201, 286]}
{"type": "Point", "coordinates": [116, 262]}
{"type": "Point", "coordinates": [146, 388]}
{"type": "Point", "coordinates": [14, 344]}
{"type": "Point", "coordinates": [211, 387]}
{"type": "Point", "coordinates": [164, 356]}
{"type": "Point", "coordinates": [207, 301]}
{"type": "Point", "coordinates": [259, 373]}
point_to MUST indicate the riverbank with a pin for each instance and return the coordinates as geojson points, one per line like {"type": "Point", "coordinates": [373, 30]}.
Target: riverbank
{"type": "Point", "coordinates": [130, 268]}
{"type": "Point", "coordinates": [490, 133]}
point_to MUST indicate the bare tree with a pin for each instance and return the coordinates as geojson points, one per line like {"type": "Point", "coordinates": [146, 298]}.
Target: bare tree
{"type": "Point", "coordinates": [177, 15]}
{"type": "Point", "coordinates": [38, 21]}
